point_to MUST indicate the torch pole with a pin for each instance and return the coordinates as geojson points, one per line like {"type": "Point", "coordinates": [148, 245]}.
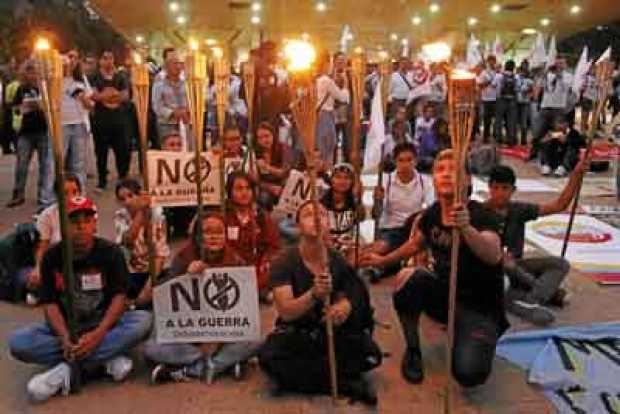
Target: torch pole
{"type": "Point", "coordinates": [357, 88]}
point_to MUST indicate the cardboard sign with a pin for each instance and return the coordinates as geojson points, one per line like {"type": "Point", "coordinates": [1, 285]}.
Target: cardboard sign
{"type": "Point", "coordinates": [172, 178]}
{"type": "Point", "coordinates": [295, 192]}
{"type": "Point", "coordinates": [219, 305]}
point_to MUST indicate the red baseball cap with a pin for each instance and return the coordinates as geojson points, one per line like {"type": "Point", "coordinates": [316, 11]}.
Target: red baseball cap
{"type": "Point", "coordinates": [79, 203]}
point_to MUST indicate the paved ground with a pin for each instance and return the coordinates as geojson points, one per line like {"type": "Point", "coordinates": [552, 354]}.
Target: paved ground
{"type": "Point", "coordinates": [506, 392]}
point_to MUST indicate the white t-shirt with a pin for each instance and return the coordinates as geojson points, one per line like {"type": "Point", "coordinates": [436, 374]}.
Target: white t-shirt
{"type": "Point", "coordinates": [489, 92]}
{"type": "Point", "coordinates": [48, 224]}
{"type": "Point", "coordinates": [71, 108]}
{"type": "Point", "coordinates": [402, 200]}
{"type": "Point", "coordinates": [557, 87]}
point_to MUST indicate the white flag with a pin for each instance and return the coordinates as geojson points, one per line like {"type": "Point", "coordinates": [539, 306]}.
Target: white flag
{"type": "Point", "coordinates": [474, 58]}
{"type": "Point", "coordinates": [583, 66]}
{"type": "Point", "coordinates": [605, 56]}
{"type": "Point", "coordinates": [376, 133]}
{"type": "Point", "coordinates": [553, 52]}
{"type": "Point", "coordinates": [498, 49]}
{"type": "Point", "coordinates": [539, 53]}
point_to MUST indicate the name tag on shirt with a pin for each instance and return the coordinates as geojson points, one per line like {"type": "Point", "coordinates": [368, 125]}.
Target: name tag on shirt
{"type": "Point", "coordinates": [92, 282]}
{"type": "Point", "coordinates": [233, 233]}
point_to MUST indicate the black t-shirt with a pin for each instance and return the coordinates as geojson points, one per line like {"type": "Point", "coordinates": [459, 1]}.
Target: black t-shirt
{"type": "Point", "coordinates": [480, 285]}
{"type": "Point", "coordinates": [103, 114]}
{"type": "Point", "coordinates": [512, 225]}
{"type": "Point", "coordinates": [99, 276]}
{"type": "Point", "coordinates": [33, 122]}
{"type": "Point", "coordinates": [341, 221]}
{"type": "Point", "coordinates": [289, 269]}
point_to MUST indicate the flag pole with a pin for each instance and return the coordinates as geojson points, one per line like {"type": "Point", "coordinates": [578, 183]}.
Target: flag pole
{"type": "Point", "coordinates": [604, 73]}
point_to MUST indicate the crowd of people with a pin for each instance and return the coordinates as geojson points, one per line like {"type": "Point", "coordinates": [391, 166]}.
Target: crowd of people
{"type": "Point", "coordinates": [113, 285]}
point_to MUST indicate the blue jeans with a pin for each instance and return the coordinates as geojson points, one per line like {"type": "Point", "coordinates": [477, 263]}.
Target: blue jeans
{"type": "Point", "coordinates": [39, 344]}
{"type": "Point", "coordinates": [326, 136]}
{"type": "Point", "coordinates": [26, 145]}
{"type": "Point", "coordinates": [191, 356]}
{"type": "Point", "coordinates": [75, 136]}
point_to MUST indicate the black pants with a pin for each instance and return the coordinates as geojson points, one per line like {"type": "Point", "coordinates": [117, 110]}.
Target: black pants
{"type": "Point", "coordinates": [488, 114]}
{"type": "Point", "coordinates": [476, 334]}
{"type": "Point", "coordinates": [113, 136]}
{"type": "Point", "coordinates": [297, 360]}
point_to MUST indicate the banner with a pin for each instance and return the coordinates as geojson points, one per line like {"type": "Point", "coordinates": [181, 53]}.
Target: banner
{"type": "Point", "coordinates": [219, 305]}
{"type": "Point", "coordinates": [172, 178]}
{"type": "Point", "coordinates": [577, 367]}
{"type": "Point", "coordinates": [295, 192]}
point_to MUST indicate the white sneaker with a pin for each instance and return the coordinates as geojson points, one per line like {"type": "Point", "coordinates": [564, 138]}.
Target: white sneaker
{"type": "Point", "coordinates": [119, 367]}
{"type": "Point", "coordinates": [560, 171]}
{"type": "Point", "coordinates": [43, 386]}
{"type": "Point", "coordinates": [545, 169]}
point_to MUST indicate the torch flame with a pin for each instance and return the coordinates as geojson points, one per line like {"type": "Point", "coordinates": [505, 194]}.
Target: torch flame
{"type": "Point", "coordinates": [300, 55]}
{"type": "Point", "coordinates": [42, 44]}
{"type": "Point", "coordinates": [137, 59]}
{"type": "Point", "coordinates": [462, 74]}
{"type": "Point", "coordinates": [193, 44]}
{"type": "Point", "coordinates": [218, 52]}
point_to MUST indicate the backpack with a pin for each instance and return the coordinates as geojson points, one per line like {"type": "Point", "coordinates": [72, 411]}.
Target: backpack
{"type": "Point", "coordinates": [483, 158]}
{"type": "Point", "coordinates": [509, 86]}
{"type": "Point", "coordinates": [16, 252]}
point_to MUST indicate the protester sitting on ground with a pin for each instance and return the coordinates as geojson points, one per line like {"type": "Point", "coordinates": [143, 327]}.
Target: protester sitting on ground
{"type": "Point", "coordinates": [234, 151]}
{"type": "Point", "coordinates": [32, 134]}
{"type": "Point", "coordinates": [535, 281]}
{"type": "Point", "coordinates": [271, 170]}
{"type": "Point", "coordinates": [183, 361]}
{"type": "Point", "coordinates": [344, 210]}
{"type": "Point", "coordinates": [17, 260]}
{"type": "Point", "coordinates": [295, 354]}
{"type": "Point", "coordinates": [178, 218]}
{"type": "Point", "coordinates": [403, 193]}
{"type": "Point", "coordinates": [560, 149]}
{"type": "Point", "coordinates": [105, 330]}
{"type": "Point", "coordinates": [249, 229]}
{"type": "Point", "coordinates": [480, 316]}
{"type": "Point", "coordinates": [432, 142]}
{"type": "Point", "coordinates": [130, 226]}
{"type": "Point", "coordinates": [399, 130]}
{"type": "Point", "coordinates": [48, 225]}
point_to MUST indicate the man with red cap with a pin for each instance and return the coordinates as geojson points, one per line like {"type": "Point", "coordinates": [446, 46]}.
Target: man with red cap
{"type": "Point", "coordinates": [105, 331]}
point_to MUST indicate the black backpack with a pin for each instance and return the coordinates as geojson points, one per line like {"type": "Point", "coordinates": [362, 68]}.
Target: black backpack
{"type": "Point", "coordinates": [509, 86]}
{"type": "Point", "coordinates": [16, 252]}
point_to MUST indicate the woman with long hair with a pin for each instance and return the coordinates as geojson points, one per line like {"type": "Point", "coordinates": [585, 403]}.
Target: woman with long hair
{"type": "Point", "coordinates": [250, 230]}
{"type": "Point", "coordinates": [271, 169]}
{"type": "Point", "coordinates": [184, 361]}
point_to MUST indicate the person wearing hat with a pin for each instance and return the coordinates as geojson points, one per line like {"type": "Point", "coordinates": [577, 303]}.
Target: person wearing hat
{"type": "Point", "coordinates": [105, 330]}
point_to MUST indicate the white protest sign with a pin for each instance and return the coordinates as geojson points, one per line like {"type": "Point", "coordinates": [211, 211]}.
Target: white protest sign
{"type": "Point", "coordinates": [172, 178]}
{"type": "Point", "coordinates": [219, 305]}
{"type": "Point", "coordinates": [295, 192]}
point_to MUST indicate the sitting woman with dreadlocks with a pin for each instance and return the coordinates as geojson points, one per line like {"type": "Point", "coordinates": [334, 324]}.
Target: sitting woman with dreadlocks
{"type": "Point", "coordinates": [184, 361]}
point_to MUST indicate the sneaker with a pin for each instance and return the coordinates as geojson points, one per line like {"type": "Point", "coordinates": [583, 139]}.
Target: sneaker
{"type": "Point", "coordinates": [545, 170]}
{"type": "Point", "coordinates": [531, 312]}
{"type": "Point", "coordinates": [15, 202]}
{"type": "Point", "coordinates": [238, 371]}
{"type": "Point", "coordinates": [31, 299]}
{"type": "Point", "coordinates": [163, 373]}
{"type": "Point", "coordinates": [118, 368]}
{"type": "Point", "coordinates": [560, 171]}
{"type": "Point", "coordinates": [43, 386]}
{"type": "Point", "coordinates": [411, 366]}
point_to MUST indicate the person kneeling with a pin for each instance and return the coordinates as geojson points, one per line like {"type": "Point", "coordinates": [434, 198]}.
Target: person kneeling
{"type": "Point", "coordinates": [106, 332]}
{"type": "Point", "coordinates": [295, 355]}
{"type": "Point", "coordinates": [182, 362]}
{"type": "Point", "coordinates": [480, 315]}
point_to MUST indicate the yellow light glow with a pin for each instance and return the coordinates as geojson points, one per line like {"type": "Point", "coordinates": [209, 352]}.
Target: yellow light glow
{"type": "Point", "coordinates": [42, 44]}
{"type": "Point", "coordinates": [359, 50]}
{"type": "Point", "coordinates": [193, 44]}
{"type": "Point", "coordinates": [383, 55]}
{"type": "Point", "coordinates": [210, 42]}
{"type": "Point", "coordinates": [545, 21]}
{"type": "Point", "coordinates": [434, 8]}
{"type": "Point", "coordinates": [437, 52]}
{"type": "Point", "coordinates": [472, 21]}
{"type": "Point", "coordinates": [300, 55]}
{"type": "Point", "coordinates": [575, 9]}
{"type": "Point", "coordinates": [496, 8]}
{"type": "Point", "coordinates": [305, 36]}
{"type": "Point", "coordinates": [139, 39]}
{"type": "Point", "coordinates": [459, 74]}
{"type": "Point", "coordinates": [320, 6]}
{"type": "Point", "coordinates": [174, 7]}
{"type": "Point", "coordinates": [137, 59]}
{"type": "Point", "coordinates": [394, 37]}
{"type": "Point", "coordinates": [256, 6]}
{"type": "Point", "coordinates": [218, 52]}
{"type": "Point", "coordinates": [181, 20]}
{"type": "Point", "coordinates": [255, 20]}
{"type": "Point", "coordinates": [529, 31]}
{"type": "Point", "coordinates": [416, 20]}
